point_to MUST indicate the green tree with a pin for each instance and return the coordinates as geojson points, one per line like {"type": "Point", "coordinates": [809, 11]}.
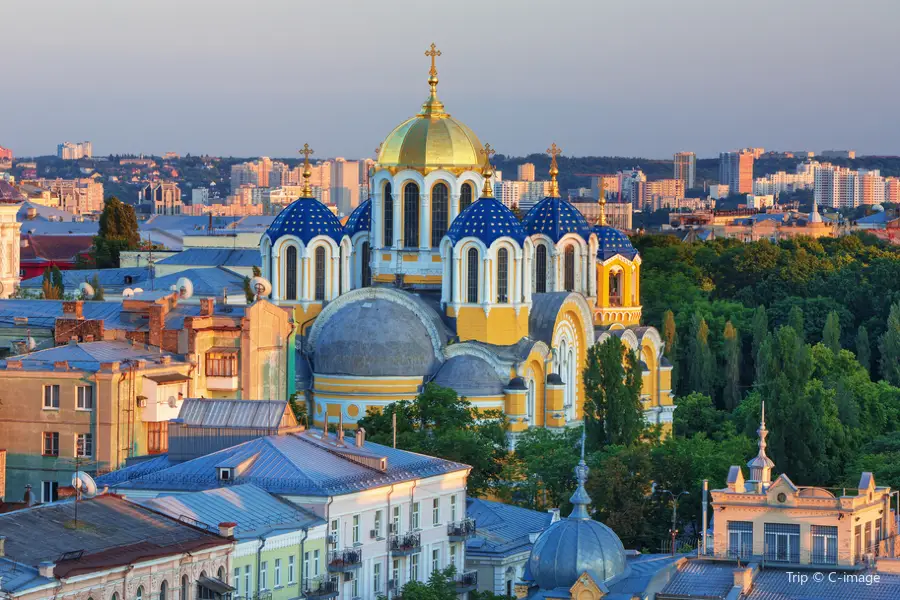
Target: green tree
{"type": "Point", "coordinates": [440, 423]}
{"type": "Point", "coordinates": [863, 348]}
{"type": "Point", "coordinates": [248, 291]}
{"type": "Point", "coordinates": [731, 389]}
{"type": "Point", "coordinates": [98, 289]}
{"type": "Point", "coordinates": [548, 463]}
{"type": "Point", "coordinates": [52, 284]}
{"type": "Point", "coordinates": [440, 586]}
{"type": "Point", "coordinates": [700, 359]}
{"type": "Point", "coordinates": [696, 413]}
{"type": "Point", "coordinates": [890, 347]}
{"type": "Point", "coordinates": [117, 232]}
{"type": "Point", "coordinates": [670, 337]}
{"type": "Point", "coordinates": [831, 334]}
{"type": "Point", "coordinates": [795, 320]}
{"type": "Point", "coordinates": [619, 484]}
{"type": "Point", "coordinates": [612, 387]}
{"type": "Point", "coordinates": [760, 329]}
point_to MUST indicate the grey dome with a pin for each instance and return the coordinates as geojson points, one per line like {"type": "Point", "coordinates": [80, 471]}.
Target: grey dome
{"type": "Point", "coordinates": [373, 337]}
{"type": "Point", "coordinates": [570, 547]}
{"type": "Point", "coordinates": [469, 376]}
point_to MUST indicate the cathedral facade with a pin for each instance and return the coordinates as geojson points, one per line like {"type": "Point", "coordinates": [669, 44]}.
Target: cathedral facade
{"type": "Point", "coordinates": [432, 279]}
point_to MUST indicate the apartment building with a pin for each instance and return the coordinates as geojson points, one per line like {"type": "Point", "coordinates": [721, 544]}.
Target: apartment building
{"type": "Point", "coordinates": [345, 182]}
{"type": "Point", "coordinates": [686, 168]}
{"type": "Point", "coordinates": [736, 171]}
{"type": "Point", "coordinates": [77, 196]}
{"type": "Point", "coordinates": [74, 151]}
{"type": "Point", "coordinates": [525, 172]}
{"type": "Point", "coordinates": [836, 187]}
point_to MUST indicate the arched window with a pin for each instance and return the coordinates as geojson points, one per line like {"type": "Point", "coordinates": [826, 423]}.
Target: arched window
{"type": "Point", "coordinates": [164, 590]}
{"type": "Point", "coordinates": [115, 596]}
{"type": "Point", "coordinates": [221, 574]}
{"type": "Point", "coordinates": [569, 269]}
{"type": "Point", "coordinates": [472, 276]}
{"type": "Point", "coordinates": [465, 196]}
{"type": "Point", "coordinates": [440, 213]}
{"type": "Point", "coordinates": [411, 216]}
{"type": "Point", "coordinates": [388, 226]}
{"type": "Point", "coordinates": [366, 278]}
{"type": "Point", "coordinates": [540, 269]}
{"type": "Point", "coordinates": [290, 273]}
{"type": "Point", "coordinates": [320, 273]}
{"type": "Point", "coordinates": [139, 594]}
{"type": "Point", "coordinates": [615, 288]}
{"type": "Point", "coordinates": [502, 275]}
{"type": "Point", "coordinates": [185, 588]}
{"type": "Point", "coordinates": [530, 402]}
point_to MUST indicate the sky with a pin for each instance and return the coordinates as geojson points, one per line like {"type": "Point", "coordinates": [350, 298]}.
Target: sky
{"type": "Point", "coordinates": [643, 78]}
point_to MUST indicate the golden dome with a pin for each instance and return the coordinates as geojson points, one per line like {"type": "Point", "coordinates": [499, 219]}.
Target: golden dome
{"type": "Point", "coordinates": [432, 139]}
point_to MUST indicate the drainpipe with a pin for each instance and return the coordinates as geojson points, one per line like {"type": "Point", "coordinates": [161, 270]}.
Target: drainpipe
{"type": "Point", "coordinates": [117, 421]}
{"type": "Point", "coordinates": [412, 497]}
{"type": "Point", "coordinates": [262, 542]}
{"type": "Point", "coordinates": [550, 357]}
{"type": "Point", "coordinates": [389, 516]}
{"type": "Point", "coordinates": [300, 561]}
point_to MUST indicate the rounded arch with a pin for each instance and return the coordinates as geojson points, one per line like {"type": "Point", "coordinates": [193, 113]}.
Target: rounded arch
{"type": "Point", "coordinates": [185, 588]}
{"type": "Point", "coordinates": [440, 211]}
{"type": "Point", "coordinates": [163, 590]}
{"type": "Point", "coordinates": [410, 204]}
{"type": "Point", "coordinates": [139, 594]}
{"type": "Point", "coordinates": [386, 214]}
{"type": "Point", "coordinates": [472, 274]}
{"type": "Point", "coordinates": [541, 267]}
{"type": "Point", "coordinates": [506, 278]}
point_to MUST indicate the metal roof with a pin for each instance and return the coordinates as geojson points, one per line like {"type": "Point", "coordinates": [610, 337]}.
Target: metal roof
{"type": "Point", "coordinates": [110, 279]}
{"type": "Point", "coordinates": [293, 464]}
{"type": "Point", "coordinates": [502, 529]}
{"type": "Point", "coordinates": [703, 579]}
{"type": "Point", "coordinates": [226, 257]}
{"type": "Point", "coordinates": [209, 281]}
{"type": "Point", "coordinates": [88, 356]}
{"type": "Point", "coordinates": [253, 509]}
{"type": "Point", "coordinates": [256, 414]}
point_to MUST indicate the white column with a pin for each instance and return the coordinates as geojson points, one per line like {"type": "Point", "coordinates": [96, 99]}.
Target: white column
{"type": "Point", "coordinates": [424, 222]}
{"type": "Point", "coordinates": [398, 207]}
{"type": "Point", "coordinates": [592, 274]}
{"type": "Point", "coordinates": [515, 285]}
{"type": "Point", "coordinates": [583, 276]}
{"type": "Point", "coordinates": [304, 280]}
{"type": "Point", "coordinates": [446, 282]}
{"type": "Point", "coordinates": [454, 208]}
{"type": "Point", "coordinates": [377, 228]}
{"type": "Point", "coordinates": [526, 291]}
{"type": "Point", "coordinates": [457, 261]}
{"type": "Point", "coordinates": [335, 274]}
{"type": "Point", "coordinates": [486, 295]}
{"type": "Point", "coordinates": [277, 275]}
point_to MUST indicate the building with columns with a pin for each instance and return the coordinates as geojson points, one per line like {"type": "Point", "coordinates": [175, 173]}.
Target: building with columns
{"type": "Point", "coordinates": [432, 278]}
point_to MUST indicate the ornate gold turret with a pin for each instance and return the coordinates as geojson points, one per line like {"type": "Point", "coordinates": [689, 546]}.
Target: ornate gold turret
{"type": "Point", "coordinates": [554, 151]}
{"type": "Point", "coordinates": [306, 190]}
{"type": "Point", "coordinates": [602, 221]}
{"type": "Point", "coordinates": [433, 106]}
{"type": "Point", "coordinates": [488, 172]}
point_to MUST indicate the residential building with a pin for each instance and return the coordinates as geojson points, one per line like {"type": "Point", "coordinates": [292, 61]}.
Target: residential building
{"type": "Point", "coordinates": [663, 188]}
{"type": "Point", "coordinates": [200, 196]}
{"type": "Point", "coordinates": [719, 191]}
{"type": "Point", "coordinates": [392, 516]}
{"type": "Point", "coordinates": [617, 214]}
{"type": "Point", "coordinates": [74, 151]}
{"type": "Point", "coordinates": [241, 195]}
{"type": "Point", "coordinates": [77, 196]}
{"type": "Point", "coordinates": [504, 538]}
{"type": "Point", "coordinates": [138, 161]}
{"type": "Point", "coordinates": [6, 154]}
{"type": "Point", "coordinates": [736, 171]}
{"type": "Point", "coordinates": [686, 168]}
{"type": "Point", "coordinates": [523, 194]}
{"type": "Point", "coordinates": [759, 202]}
{"type": "Point", "coordinates": [610, 184]}
{"type": "Point", "coordinates": [871, 187]}
{"type": "Point", "coordinates": [109, 547]}
{"type": "Point", "coordinates": [162, 198]}
{"type": "Point", "coordinates": [781, 181]}
{"type": "Point", "coordinates": [892, 190]}
{"type": "Point", "coordinates": [526, 172]}
{"type": "Point", "coordinates": [836, 187]}
{"type": "Point", "coordinates": [631, 187]}
{"type": "Point", "coordinates": [279, 546]}
{"type": "Point", "coordinates": [11, 201]}
{"type": "Point", "coordinates": [845, 154]}
{"type": "Point", "coordinates": [345, 184]}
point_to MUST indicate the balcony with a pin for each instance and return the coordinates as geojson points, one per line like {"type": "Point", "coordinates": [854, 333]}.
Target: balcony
{"type": "Point", "coordinates": [222, 384]}
{"type": "Point", "coordinates": [322, 587]}
{"type": "Point", "coordinates": [466, 582]}
{"type": "Point", "coordinates": [344, 561]}
{"type": "Point", "coordinates": [460, 531]}
{"type": "Point", "coordinates": [406, 544]}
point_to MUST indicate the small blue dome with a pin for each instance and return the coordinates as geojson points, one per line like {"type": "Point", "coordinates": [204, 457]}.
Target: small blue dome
{"type": "Point", "coordinates": [306, 218]}
{"type": "Point", "coordinates": [556, 218]}
{"type": "Point", "coordinates": [360, 219]}
{"type": "Point", "coordinates": [611, 242]}
{"type": "Point", "coordinates": [487, 219]}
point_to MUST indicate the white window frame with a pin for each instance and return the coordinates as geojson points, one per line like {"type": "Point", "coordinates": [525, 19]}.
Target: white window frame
{"type": "Point", "coordinates": [395, 519]}
{"type": "Point", "coordinates": [435, 559]}
{"type": "Point", "coordinates": [395, 573]}
{"type": "Point", "coordinates": [84, 445]}
{"type": "Point", "coordinates": [355, 529]}
{"type": "Point", "coordinates": [277, 575]}
{"type": "Point", "coordinates": [82, 393]}
{"type": "Point", "coordinates": [414, 567]}
{"type": "Point", "coordinates": [379, 521]}
{"type": "Point", "coordinates": [453, 508]}
{"type": "Point", "coordinates": [376, 577]}
{"type": "Point", "coordinates": [48, 490]}
{"type": "Point", "coordinates": [436, 512]}
{"type": "Point", "coordinates": [316, 562]}
{"type": "Point", "coordinates": [292, 569]}
{"type": "Point", "coordinates": [306, 565]}
{"type": "Point", "coordinates": [264, 575]}
{"type": "Point", "coordinates": [415, 515]}
{"type": "Point", "coordinates": [236, 582]}
{"type": "Point", "coordinates": [53, 398]}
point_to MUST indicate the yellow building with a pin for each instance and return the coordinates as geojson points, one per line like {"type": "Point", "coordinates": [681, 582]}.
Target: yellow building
{"type": "Point", "coordinates": [427, 281]}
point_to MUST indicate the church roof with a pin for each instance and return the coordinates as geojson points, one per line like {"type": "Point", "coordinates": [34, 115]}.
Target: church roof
{"type": "Point", "coordinates": [470, 376]}
{"type": "Point", "coordinates": [556, 218]}
{"type": "Point", "coordinates": [487, 219]}
{"type": "Point", "coordinates": [611, 242]}
{"type": "Point", "coordinates": [306, 218]}
{"type": "Point", "coordinates": [360, 219]}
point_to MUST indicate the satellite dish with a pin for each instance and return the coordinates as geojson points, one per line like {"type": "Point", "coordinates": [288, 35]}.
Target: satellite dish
{"type": "Point", "coordinates": [86, 290]}
{"type": "Point", "coordinates": [138, 290]}
{"type": "Point", "coordinates": [172, 288]}
{"type": "Point", "coordinates": [127, 293]}
{"type": "Point", "coordinates": [261, 286]}
{"type": "Point", "coordinates": [173, 402]}
{"type": "Point", "coordinates": [185, 286]}
{"type": "Point", "coordinates": [30, 343]}
{"type": "Point", "coordinates": [84, 483]}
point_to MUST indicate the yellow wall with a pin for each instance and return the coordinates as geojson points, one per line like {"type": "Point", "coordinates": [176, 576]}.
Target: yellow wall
{"type": "Point", "coordinates": [631, 298]}
{"type": "Point", "coordinates": [303, 316]}
{"type": "Point", "coordinates": [501, 326]}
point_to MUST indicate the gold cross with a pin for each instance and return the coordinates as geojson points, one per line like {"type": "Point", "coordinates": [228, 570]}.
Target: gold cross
{"type": "Point", "coordinates": [554, 150]}
{"type": "Point", "coordinates": [306, 151]}
{"type": "Point", "coordinates": [488, 152]}
{"type": "Point", "coordinates": [434, 52]}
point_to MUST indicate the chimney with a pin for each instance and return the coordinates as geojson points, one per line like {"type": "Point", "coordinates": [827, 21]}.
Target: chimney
{"type": "Point", "coordinates": [45, 569]}
{"type": "Point", "coordinates": [73, 309]}
{"type": "Point", "coordinates": [157, 323]}
{"type": "Point", "coordinates": [2, 546]}
{"type": "Point", "coordinates": [360, 437]}
{"type": "Point", "coordinates": [29, 496]}
{"type": "Point", "coordinates": [14, 364]}
{"type": "Point", "coordinates": [89, 338]}
{"type": "Point", "coordinates": [340, 431]}
{"type": "Point", "coordinates": [61, 365]}
{"type": "Point", "coordinates": [226, 529]}
{"type": "Point", "coordinates": [743, 578]}
{"type": "Point", "coordinates": [207, 305]}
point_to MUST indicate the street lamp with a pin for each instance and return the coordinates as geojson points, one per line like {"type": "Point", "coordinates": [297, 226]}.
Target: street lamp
{"type": "Point", "coordinates": [675, 496]}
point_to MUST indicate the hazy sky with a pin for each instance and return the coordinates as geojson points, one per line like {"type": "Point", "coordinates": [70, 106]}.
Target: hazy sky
{"type": "Point", "coordinates": [610, 77]}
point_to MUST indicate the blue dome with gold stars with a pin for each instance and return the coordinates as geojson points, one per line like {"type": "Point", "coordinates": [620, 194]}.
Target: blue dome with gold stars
{"type": "Point", "coordinates": [360, 219]}
{"type": "Point", "coordinates": [306, 218]}
{"type": "Point", "coordinates": [611, 242]}
{"type": "Point", "coordinates": [487, 219]}
{"type": "Point", "coordinates": [556, 218]}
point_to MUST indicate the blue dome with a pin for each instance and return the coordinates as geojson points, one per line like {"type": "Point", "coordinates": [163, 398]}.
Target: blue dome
{"type": "Point", "coordinates": [306, 218]}
{"type": "Point", "coordinates": [360, 219]}
{"type": "Point", "coordinates": [611, 242]}
{"type": "Point", "coordinates": [487, 219]}
{"type": "Point", "coordinates": [556, 218]}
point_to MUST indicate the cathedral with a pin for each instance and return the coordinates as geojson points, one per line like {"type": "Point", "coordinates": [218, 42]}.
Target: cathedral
{"type": "Point", "coordinates": [432, 279]}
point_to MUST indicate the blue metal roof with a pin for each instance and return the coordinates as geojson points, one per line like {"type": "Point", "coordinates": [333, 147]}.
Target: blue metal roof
{"type": "Point", "coordinates": [611, 242]}
{"type": "Point", "coordinates": [110, 279]}
{"type": "Point", "coordinates": [556, 218]}
{"type": "Point", "coordinates": [87, 356]}
{"type": "Point", "coordinates": [215, 257]}
{"type": "Point", "coordinates": [487, 219]}
{"type": "Point", "coordinates": [297, 464]}
{"type": "Point", "coordinates": [502, 529]}
{"type": "Point", "coordinates": [253, 509]}
{"type": "Point", "coordinates": [360, 219]}
{"type": "Point", "coordinates": [306, 218]}
{"type": "Point", "coordinates": [877, 218]}
{"type": "Point", "coordinates": [210, 281]}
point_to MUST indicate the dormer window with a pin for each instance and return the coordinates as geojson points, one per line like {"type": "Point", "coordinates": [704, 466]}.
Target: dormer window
{"type": "Point", "coordinates": [225, 473]}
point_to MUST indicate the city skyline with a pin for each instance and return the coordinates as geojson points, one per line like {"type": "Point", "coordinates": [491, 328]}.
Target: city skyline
{"type": "Point", "coordinates": [237, 82]}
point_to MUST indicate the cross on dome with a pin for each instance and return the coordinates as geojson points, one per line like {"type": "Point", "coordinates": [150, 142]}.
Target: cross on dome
{"type": "Point", "coordinates": [306, 191]}
{"type": "Point", "coordinates": [554, 151]}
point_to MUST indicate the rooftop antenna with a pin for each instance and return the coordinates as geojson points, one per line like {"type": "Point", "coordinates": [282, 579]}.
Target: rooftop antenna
{"type": "Point", "coordinates": [394, 427]}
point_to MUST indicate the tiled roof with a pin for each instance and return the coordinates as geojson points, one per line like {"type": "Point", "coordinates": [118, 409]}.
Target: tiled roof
{"type": "Point", "coordinates": [502, 529]}
{"type": "Point", "coordinates": [215, 257]}
{"type": "Point", "coordinates": [611, 241]}
{"type": "Point", "coordinates": [253, 509]}
{"type": "Point", "coordinates": [486, 219]}
{"type": "Point", "coordinates": [9, 194]}
{"type": "Point", "coordinates": [55, 247]}
{"type": "Point", "coordinates": [204, 412]}
{"type": "Point", "coordinates": [360, 219]}
{"type": "Point", "coordinates": [87, 356]}
{"type": "Point", "coordinates": [306, 218]}
{"type": "Point", "coordinates": [556, 217]}
{"type": "Point", "coordinates": [296, 464]}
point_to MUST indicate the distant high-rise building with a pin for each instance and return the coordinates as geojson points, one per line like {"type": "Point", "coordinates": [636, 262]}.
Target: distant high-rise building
{"type": "Point", "coordinates": [631, 187]}
{"type": "Point", "coordinates": [164, 198]}
{"type": "Point", "coordinates": [736, 171]}
{"type": "Point", "coordinates": [74, 151]}
{"type": "Point", "coordinates": [344, 185]}
{"type": "Point", "coordinates": [200, 196]}
{"type": "Point", "coordinates": [850, 154]}
{"type": "Point", "coordinates": [610, 184]}
{"type": "Point", "coordinates": [526, 172]}
{"type": "Point", "coordinates": [686, 168]}
{"type": "Point", "coordinates": [836, 187]}
{"type": "Point", "coordinates": [892, 190]}
{"type": "Point", "coordinates": [77, 196]}
{"type": "Point", "coordinates": [871, 187]}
